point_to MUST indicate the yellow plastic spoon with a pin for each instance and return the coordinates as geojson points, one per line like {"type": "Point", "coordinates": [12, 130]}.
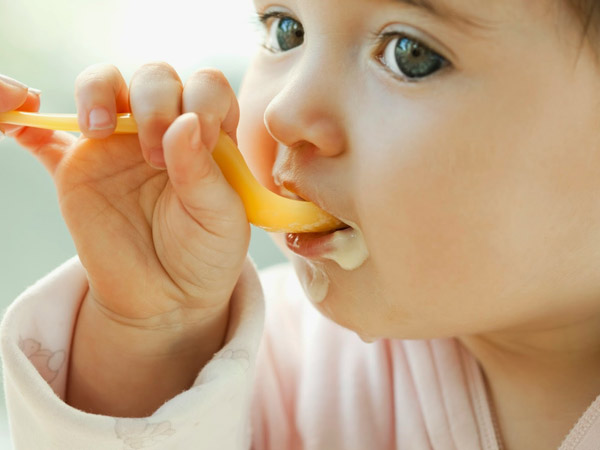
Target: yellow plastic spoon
{"type": "Point", "coordinates": [264, 208]}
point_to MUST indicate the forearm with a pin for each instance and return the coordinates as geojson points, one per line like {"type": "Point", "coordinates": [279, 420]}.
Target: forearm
{"type": "Point", "coordinates": [119, 370]}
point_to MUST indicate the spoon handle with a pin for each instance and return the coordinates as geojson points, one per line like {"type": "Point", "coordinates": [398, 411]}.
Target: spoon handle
{"type": "Point", "coordinates": [264, 208]}
{"type": "Point", "coordinates": [64, 122]}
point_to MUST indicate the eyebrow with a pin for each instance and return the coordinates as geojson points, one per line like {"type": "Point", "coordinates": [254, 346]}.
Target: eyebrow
{"type": "Point", "coordinates": [444, 11]}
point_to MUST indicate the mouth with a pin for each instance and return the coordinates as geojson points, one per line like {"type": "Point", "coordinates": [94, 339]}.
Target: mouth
{"type": "Point", "coordinates": [312, 245]}
{"type": "Point", "coordinates": [345, 245]}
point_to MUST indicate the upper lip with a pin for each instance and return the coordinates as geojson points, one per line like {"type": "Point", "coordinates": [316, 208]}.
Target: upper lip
{"type": "Point", "coordinates": [287, 178]}
{"type": "Point", "coordinates": [296, 189]}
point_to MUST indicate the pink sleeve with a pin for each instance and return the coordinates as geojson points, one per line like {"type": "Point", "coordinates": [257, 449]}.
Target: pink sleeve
{"type": "Point", "coordinates": [274, 404]}
{"type": "Point", "coordinates": [36, 333]}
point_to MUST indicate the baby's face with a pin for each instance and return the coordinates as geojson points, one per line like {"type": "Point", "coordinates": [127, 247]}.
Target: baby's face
{"type": "Point", "coordinates": [464, 146]}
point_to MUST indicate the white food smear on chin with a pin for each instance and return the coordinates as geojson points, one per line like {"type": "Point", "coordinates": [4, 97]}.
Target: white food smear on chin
{"type": "Point", "coordinates": [349, 248]}
{"type": "Point", "coordinates": [349, 252]}
{"type": "Point", "coordinates": [318, 284]}
{"type": "Point", "coordinates": [367, 338]}
{"type": "Point", "coordinates": [313, 279]}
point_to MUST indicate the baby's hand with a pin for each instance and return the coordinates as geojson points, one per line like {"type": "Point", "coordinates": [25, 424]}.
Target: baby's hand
{"type": "Point", "coordinates": [160, 247]}
{"type": "Point", "coordinates": [163, 249]}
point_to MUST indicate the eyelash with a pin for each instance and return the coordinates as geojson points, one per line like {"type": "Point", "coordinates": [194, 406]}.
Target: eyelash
{"type": "Point", "coordinates": [264, 17]}
{"type": "Point", "coordinates": [379, 40]}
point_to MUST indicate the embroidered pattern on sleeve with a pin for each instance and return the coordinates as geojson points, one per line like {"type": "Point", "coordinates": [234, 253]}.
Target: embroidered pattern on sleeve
{"type": "Point", "coordinates": [139, 433]}
{"type": "Point", "coordinates": [47, 362]}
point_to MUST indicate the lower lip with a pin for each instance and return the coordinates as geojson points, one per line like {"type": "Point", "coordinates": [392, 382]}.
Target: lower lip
{"type": "Point", "coordinates": [310, 245]}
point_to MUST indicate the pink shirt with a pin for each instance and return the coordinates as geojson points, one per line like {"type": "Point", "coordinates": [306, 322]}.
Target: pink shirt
{"type": "Point", "coordinates": [287, 378]}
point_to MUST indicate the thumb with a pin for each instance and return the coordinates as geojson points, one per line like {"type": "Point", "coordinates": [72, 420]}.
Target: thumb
{"type": "Point", "coordinates": [13, 93]}
{"type": "Point", "coordinates": [46, 145]}
{"type": "Point", "coordinates": [198, 180]}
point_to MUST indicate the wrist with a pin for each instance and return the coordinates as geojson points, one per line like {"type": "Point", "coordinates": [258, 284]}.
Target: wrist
{"type": "Point", "coordinates": [175, 332]}
{"type": "Point", "coordinates": [122, 370]}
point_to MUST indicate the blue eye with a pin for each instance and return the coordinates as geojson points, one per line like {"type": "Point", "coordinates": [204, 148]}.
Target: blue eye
{"type": "Point", "coordinates": [411, 59]}
{"type": "Point", "coordinates": [283, 33]}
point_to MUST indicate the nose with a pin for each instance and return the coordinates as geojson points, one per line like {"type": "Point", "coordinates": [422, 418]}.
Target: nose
{"type": "Point", "coordinates": [307, 111]}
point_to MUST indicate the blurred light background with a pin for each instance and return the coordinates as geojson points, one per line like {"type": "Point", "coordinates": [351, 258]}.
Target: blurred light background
{"type": "Point", "coordinates": [45, 44]}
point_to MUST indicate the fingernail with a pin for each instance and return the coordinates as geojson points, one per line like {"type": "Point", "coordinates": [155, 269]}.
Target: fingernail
{"type": "Point", "coordinates": [12, 82]}
{"type": "Point", "coordinates": [35, 91]}
{"type": "Point", "coordinates": [100, 119]}
{"type": "Point", "coordinates": [209, 125]}
{"type": "Point", "coordinates": [195, 138]}
{"type": "Point", "coordinates": [157, 158]}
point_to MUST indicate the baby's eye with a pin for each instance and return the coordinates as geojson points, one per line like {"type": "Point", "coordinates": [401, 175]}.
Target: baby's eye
{"type": "Point", "coordinates": [283, 32]}
{"type": "Point", "coordinates": [410, 58]}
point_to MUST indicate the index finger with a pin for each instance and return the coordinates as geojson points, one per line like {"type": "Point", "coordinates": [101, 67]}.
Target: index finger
{"type": "Point", "coordinates": [100, 93]}
{"type": "Point", "coordinates": [208, 93]}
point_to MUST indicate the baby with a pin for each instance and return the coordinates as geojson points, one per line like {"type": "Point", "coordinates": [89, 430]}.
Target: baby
{"type": "Point", "coordinates": [458, 140]}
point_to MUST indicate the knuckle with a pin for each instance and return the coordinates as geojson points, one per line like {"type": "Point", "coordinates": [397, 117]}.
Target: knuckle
{"type": "Point", "coordinates": [109, 70]}
{"type": "Point", "coordinates": [213, 77]}
{"type": "Point", "coordinates": [97, 76]}
{"type": "Point", "coordinates": [90, 83]}
{"type": "Point", "coordinates": [209, 91]}
{"type": "Point", "coordinates": [157, 70]}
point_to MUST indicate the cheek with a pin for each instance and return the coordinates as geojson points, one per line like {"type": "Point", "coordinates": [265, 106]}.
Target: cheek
{"type": "Point", "coordinates": [430, 209]}
{"type": "Point", "coordinates": [255, 142]}
{"type": "Point", "coordinates": [463, 225]}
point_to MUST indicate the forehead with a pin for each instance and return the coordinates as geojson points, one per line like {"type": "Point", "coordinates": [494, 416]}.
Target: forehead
{"type": "Point", "coordinates": [479, 19]}
{"type": "Point", "coordinates": [478, 11]}
{"type": "Point", "coordinates": [467, 12]}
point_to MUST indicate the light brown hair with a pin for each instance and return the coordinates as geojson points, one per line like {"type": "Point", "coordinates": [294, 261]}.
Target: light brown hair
{"type": "Point", "coordinates": [588, 12]}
